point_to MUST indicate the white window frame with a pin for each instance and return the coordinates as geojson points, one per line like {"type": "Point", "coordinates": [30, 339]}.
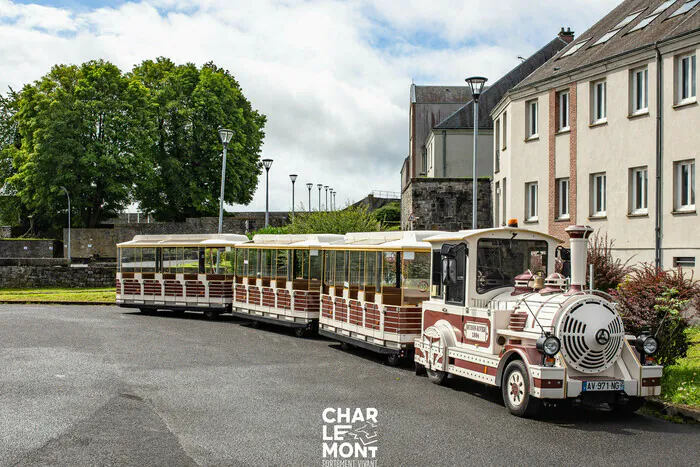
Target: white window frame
{"type": "Point", "coordinates": [598, 104]}
{"type": "Point", "coordinates": [640, 93]}
{"type": "Point", "coordinates": [684, 261]}
{"type": "Point", "coordinates": [504, 129]}
{"type": "Point", "coordinates": [564, 115]}
{"type": "Point", "coordinates": [599, 196]}
{"type": "Point", "coordinates": [689, 192]}
{"type": "Point", "coordinates": [688, 86]}
{"type": "Point", "coordinates": [533, 111]}
{"type": "Point", "coordinates": [636, 189]}
{"type": "Point", "coordinates": [531, 202]}
{"type": "Point", "coordinates": [563, 187]}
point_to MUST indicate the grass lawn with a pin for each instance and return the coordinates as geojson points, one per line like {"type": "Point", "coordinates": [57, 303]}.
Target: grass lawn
{"type": "Point", "coordinates": [57, 295]}
{"type": "Point", "coordinates": [681, 381]}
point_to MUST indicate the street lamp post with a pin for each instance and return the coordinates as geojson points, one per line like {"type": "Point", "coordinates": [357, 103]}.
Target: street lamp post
{"type": "Point", "coordinates": [331, 192]}
{"type": "Point", "coordinates": [309, 186]}
{"type": "Point", "coordinates": [326, 205]}
{"type": "Point", "coordinates": [68, 196]}
{"type": "Point", "coordinates": [476, 83]}
{"type": "Point", "coordinates": [293, 178]}
{"type": "Point", "coordinates": [320, 185]}
{"type": "Point", "coordinates": [335, 206]}
{"type": "Point", "coordinates": [267, 163]}
{"type": "Point", "coordinates": [225, 137]}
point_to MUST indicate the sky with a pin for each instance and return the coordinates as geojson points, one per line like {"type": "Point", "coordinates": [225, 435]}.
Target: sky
{"type": "Point", "coordinates": [333, 77]}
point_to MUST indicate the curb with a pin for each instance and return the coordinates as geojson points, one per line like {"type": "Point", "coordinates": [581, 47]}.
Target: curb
{"type": "Point", "coordinates": [667, 408]}
{"type": "Point", "coordinates": [29, 302]}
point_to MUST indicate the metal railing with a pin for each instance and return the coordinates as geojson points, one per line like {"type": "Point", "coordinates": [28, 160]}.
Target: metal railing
{"type": "Point", "coordinates": [386, 194]}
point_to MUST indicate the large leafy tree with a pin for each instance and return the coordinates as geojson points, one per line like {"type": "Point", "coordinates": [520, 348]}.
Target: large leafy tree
{"type": "Point", "coordinates": [188, 105]}
{"type": "Point", "coordinates": [86, 128]}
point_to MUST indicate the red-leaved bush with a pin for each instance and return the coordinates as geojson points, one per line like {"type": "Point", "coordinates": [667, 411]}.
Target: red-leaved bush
{"type": "Point", "coordinates": [656, 299]}
{"type": "Point", "coordinates": [608, 271]}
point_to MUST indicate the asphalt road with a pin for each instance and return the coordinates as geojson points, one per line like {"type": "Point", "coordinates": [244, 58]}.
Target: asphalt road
{"type": "Point", "coordinates": [101, 385]}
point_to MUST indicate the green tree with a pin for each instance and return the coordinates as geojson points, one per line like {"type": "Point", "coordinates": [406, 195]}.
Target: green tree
{"type": "Point", "coordinates": [351, 219]}
{"type": "Point", "coordinates": [389, 214]}
{"type": "Point", "coordinates": [83, 127]}
{"type": "Point", "coordinates": [188, 105]}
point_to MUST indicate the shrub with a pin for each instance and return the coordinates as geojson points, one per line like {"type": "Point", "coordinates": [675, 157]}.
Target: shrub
{"type": "Point", "coordinates": [350, 219]}
{"type": "Point", "coordinates": [608, 271]}
{"type": "Point", "coordinates": [656, 299]}
{"type": "Point", "coordinates": [389, 214]}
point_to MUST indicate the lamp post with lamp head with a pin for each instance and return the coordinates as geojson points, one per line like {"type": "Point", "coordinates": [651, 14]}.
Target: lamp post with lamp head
{"type": "Point", "coordinates": [476, 83]}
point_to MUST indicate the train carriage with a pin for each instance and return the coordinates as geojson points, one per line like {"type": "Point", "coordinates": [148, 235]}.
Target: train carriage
{"type": "Point", "coordinates": [499, 314]}
{"type": "Point", "coordinates": [278, 279]}
{"type": "Point", "coordinates": [177, 272]}
{"type": "Point", "coordinates": [373, 287]}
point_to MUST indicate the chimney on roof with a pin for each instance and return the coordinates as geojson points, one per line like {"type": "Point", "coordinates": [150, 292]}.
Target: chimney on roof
{"type": "Point", "coordinates": [567, 36]}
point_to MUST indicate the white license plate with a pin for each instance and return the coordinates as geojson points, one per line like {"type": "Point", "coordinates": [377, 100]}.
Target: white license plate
{"type": "Point", "coordinates": [590, 386]}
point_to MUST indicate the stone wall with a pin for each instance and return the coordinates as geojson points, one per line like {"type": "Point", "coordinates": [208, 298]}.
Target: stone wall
{"type": "Point", "coordinates": [86, 243]}
{"type": "Point", "coordinates": [445, 204]}
{"type": "Point", "coordinates": [28, 248]}
{"type": "Point", "coordinates": [5, 231]}
{"type": "Point", "coordinates": [19, 277]}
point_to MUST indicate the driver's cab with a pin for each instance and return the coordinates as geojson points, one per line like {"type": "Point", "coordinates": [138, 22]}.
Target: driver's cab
{"type": "Point", "coordinates": [470, 268]}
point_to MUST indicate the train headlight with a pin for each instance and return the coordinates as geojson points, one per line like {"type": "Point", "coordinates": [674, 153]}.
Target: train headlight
{"type": "Point", "coordinates": [549, 345]}
{"type": "Point", "coordinates": [646, 345]}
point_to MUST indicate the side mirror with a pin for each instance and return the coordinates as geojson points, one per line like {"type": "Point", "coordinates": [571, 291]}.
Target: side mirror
{"type": "Point", "coordinates": [449, 271]}
{"type": "Point", "coordinates": [447, 250]}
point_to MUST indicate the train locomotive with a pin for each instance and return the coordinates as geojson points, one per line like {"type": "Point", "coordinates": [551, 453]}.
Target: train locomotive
{"type": "Point", "coordinates": [485, 304]}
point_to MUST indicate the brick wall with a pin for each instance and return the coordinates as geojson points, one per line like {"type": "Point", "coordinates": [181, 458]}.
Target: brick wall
{"type": "Point", "coordinates": [445, 204]}
{"type": "Point", "coordinates": [19, 277]}
{"type": "Point", "coordinates": [557, 227]}
{"type": "Point", "coordinates": [18, 248]}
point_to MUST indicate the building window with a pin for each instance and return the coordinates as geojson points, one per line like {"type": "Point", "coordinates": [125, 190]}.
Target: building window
{"type": "Point", "coordinates": [639, 182]}
{"type": "Point", "coordinates": [685, 66]}
{"type": "Point", "coordinates": [685, 186]}
{"type": "Point", "coordinates": [497, 159]}
{"type": "Point", "coordinates": [505, 201]}
{"type": "Point", "coordinates": [505, 130]}
{"type": "Point", "coordinates": [684, 261]}
{"type": "Point", "coordinates": [640, 91]}
{"type": "Point", "coordinates": [497, 204]}
{"type": "Point", "coordinates": [598, 191]}
{"type": "Point", "coordinates": [531, 119]}
{"type": "Point", "coordinates": [563, 198]}
{"type": "Point", "coordinates": [531, 201]}
{"type": "Point", "coordinates": [564, 111]}
{"type": "Point", "coordinates": [598, 104]}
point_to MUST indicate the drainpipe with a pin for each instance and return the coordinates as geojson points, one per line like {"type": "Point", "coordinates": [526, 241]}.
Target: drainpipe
{"type": "Point", "coordinates": [444, 154]}
{"type": "Point", "coordinates": [659, 157]}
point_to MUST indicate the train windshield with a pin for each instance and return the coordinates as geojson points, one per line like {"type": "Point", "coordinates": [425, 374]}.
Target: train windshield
{"type": "Point", "coordinates": [499, 260]}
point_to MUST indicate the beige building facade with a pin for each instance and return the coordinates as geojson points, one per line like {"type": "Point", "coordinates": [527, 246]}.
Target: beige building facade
{"type": "Point", "coordinates": [606, 134]}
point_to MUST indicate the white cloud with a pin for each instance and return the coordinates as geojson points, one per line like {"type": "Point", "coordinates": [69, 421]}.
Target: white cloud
{"type": "Point", "coordinates": [333, 77]}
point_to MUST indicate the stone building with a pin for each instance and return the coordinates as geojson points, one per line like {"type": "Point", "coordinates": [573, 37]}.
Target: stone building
{"type": "Point", "coordinates": [441, 145]}
{"type": "Point", "coordinates": [604, 134]}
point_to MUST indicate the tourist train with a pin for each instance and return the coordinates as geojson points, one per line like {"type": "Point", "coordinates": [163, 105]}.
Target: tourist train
{"type": "Point", "coordinates": [485, 304]}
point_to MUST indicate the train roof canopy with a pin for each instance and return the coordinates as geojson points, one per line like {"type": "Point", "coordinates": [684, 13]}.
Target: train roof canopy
{"type": "Point", "coordinates": [498, 232]}
{"type": "Point", "coordinates": [185, 240]}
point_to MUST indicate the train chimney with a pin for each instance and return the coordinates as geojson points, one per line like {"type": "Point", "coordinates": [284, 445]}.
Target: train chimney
{"type": "Point", "coordinates": [578, 235]}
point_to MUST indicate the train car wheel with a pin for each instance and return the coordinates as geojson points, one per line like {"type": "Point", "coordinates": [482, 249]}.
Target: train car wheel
{"type": "Point", "coordinates": [437, 377]}
{"type": "Point", "coordinates": [300, 332]}
{"type": "Point", "coordinates": [516, 391]}
{"type": "Point", "coordinates": [634, 404]}
{"type": "Point", "coordinates": [419, 369]}
{"type": "Point", "coordinates": [211, 314]}
{"type": "Point", "coordinates": [393, 359]}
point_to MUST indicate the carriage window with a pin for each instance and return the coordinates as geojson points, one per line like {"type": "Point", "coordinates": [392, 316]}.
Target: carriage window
{"type": "Point", "coordinates": [415, 277]}
{"type": "Point", "coordinates": [281, 263]}
{"type": "Point", "coordinates": [190, 263]}
{"type": "Point", "coordinates": [437, 275]}
{"type": "Point", "coordinates": [315, 265]}
{"type": "Point", "coordinates": [131, 259]}
{"type": "Point", "coordinates": [499, 260]}
{"type": "Point", "coordinates": [370, 277]}
{"type": "Point", "coordinates": [390, 272]}
{"type": "Point", "coordinates": [354, 276]}
{"type": "Point", "coordinates": [340, 268]}
{"type": "Point", "coordinates": [228, 259]}
{"type": "Point", "coordinates": [210, 260]}
{"type": "Point", "coordinates": [253, 263]}
{"type": "Point", "coordinates": [148, 259]}
{"type": "Point", "coordinates": [241, 263]}
{"type": "Point", "coordinates": [266, 263]}
{"type": "Point", "coordinates": [170, 260]}
{"type": "Point", "coordinates": [453, 274]}
{"type": "Point", "coordinates": [301, 264]}
{"type": "Point", "coordinates": [330, 268]}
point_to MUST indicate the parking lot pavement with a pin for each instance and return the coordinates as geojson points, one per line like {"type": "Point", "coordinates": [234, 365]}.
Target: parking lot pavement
{"type": "Point", "coordinates": [101, 385]}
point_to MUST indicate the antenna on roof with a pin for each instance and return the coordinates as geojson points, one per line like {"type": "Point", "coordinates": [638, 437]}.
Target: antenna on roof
{"type": "Point", "coordinates": [522, 59]}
